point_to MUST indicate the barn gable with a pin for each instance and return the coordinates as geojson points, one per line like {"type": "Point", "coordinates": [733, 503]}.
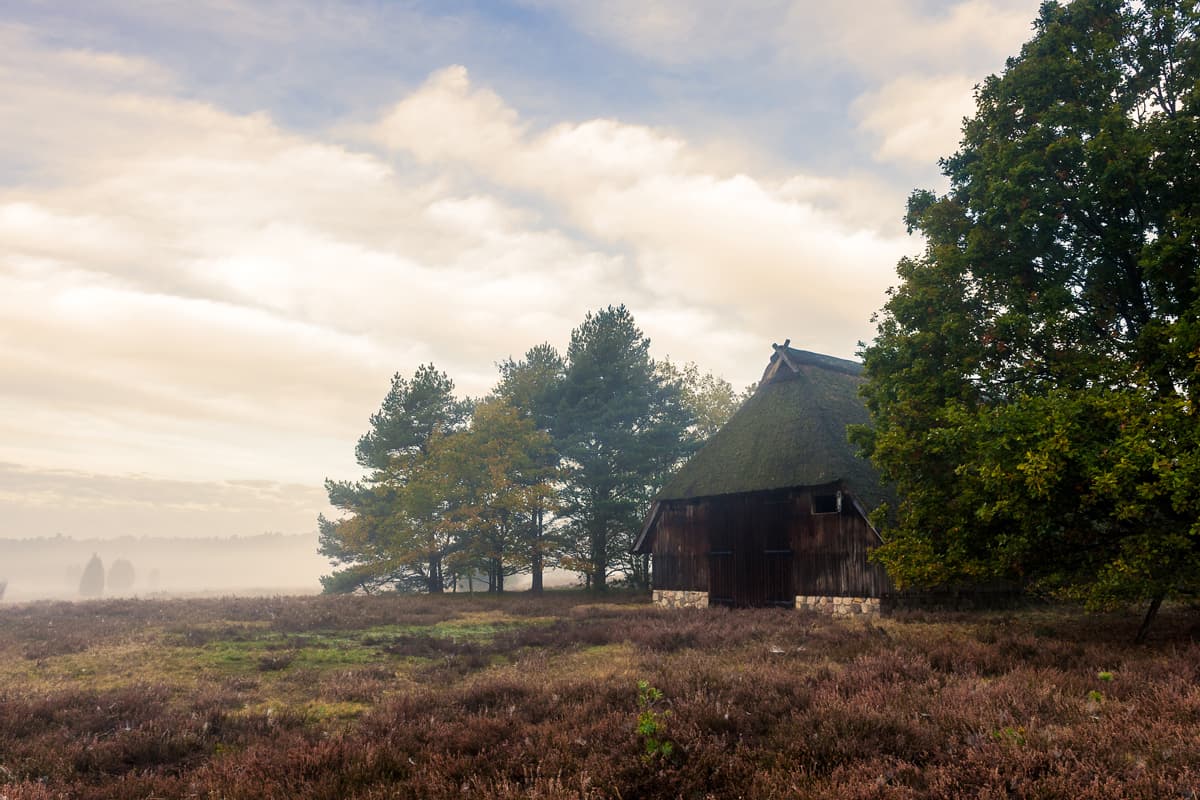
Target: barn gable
{"type": "Point", "coordinates": [773, 509]}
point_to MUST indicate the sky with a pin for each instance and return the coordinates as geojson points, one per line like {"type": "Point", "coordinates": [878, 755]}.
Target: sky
{"type": "Point", "coordinates": [224, 225]}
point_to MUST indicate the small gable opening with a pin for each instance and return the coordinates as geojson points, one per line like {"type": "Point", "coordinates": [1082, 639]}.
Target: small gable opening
{"type": "Point", "coordinates": [827, 503]}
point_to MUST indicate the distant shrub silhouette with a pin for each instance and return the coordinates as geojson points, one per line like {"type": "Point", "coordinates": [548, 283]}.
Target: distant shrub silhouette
{"type": "Point", "coordinates": [120, 576]}
{"type": "Point", "coordinates": [91, 583]}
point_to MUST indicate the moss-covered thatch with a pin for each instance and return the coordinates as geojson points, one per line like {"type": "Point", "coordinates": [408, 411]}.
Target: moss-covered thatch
{"type": "Point", "coordinates": [790, 432]}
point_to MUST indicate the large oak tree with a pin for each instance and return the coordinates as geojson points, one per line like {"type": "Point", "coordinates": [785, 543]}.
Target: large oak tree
{"type": "Point", "coordinates": [1035, 377]}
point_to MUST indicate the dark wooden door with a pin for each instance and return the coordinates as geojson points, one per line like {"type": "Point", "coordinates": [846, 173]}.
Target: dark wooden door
{"type": "Point", "coordinates": [778, 588]}
{"type": "Point", "coordinates": [750, 560]}
{"type": "Point", "coordinates": [720, 578]}
{"type": "Point", "coordinates": [722, 526]}
{"type": "Point", "coordinates": [754, 568]}
{"type": "Point", "coordinates": [776, 553]}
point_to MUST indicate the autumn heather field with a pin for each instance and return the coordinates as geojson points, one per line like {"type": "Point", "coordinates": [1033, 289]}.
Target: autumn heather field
{"type": "Point", "coordinates": [519, 697]}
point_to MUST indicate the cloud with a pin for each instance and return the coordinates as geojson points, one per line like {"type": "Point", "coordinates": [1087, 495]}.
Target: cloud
{"type": "Point", "coordinates": [44, 502]}
{"type": "Point", "coordinates": [917, 119]}
{"type": "Point", "coordinates": [894, 33]}
{"type": "Point", "coordinates": [198, 294]}
{"type": "Point", "coordinates": [898, 36]}
{"type": "Point", "coordinates": [905, 69]}
{"type": "Point", "coordinates": [183, 287]}
{"type": "Point", "coordinates": [676, 31]}
{"type": "Point", "coordinates": [701, 232]}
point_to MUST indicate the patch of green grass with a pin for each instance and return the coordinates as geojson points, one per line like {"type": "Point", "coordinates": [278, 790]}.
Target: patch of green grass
{"type": "Point", "coordinates": [267, 652]}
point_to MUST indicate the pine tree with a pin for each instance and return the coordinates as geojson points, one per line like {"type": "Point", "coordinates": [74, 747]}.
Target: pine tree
{"type": "Point", "coordinates": [394, 533]}
{"type": "Point", "coordinates": [620, 428]}
{"type": "Point", "coordinates": [91, 582]}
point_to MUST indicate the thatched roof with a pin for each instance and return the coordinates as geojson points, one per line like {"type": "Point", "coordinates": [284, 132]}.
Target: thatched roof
{"type": "Point", "coordinates": [790, 432]}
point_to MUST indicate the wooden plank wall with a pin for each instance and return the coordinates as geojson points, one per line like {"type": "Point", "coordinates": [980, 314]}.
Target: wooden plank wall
{"type": "Point", "coordinates": [764, 548]}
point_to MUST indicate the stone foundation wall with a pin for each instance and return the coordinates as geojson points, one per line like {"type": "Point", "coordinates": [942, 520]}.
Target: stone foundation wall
{"type": "Point", "coordinates": [680, 598]}
{"type": "Point", "coordinates": [839, 606]}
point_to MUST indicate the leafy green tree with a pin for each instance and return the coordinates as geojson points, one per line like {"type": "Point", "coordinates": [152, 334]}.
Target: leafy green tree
{"type": "Point", "coordinates": [533, 386]}
{"type": "Point", "coordinates": [393, 533]}
{"type": "Point", "coordinates": [495, 479]}
{"type": "Point", "coordinates": [1035, 376]}
{"type": "Point", "coordinates": [709, 398]}
{"type": "Point", "coordinates": [620, 428]}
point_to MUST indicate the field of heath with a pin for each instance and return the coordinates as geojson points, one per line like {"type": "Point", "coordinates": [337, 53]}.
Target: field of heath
{"type": "Point", "coordinates": [574, 696]}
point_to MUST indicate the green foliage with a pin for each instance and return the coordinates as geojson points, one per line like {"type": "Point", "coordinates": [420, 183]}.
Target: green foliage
{"type": "Point", "coordinates": [1035, 377]}
{"type": "Point", "coordinates": [652, 723]}
{"type": "Point", "coordinates": [533, 384]}
{"type": "Point", "coordinates": [709, 398]}
{"type": "Point", "coordinates": [495, 478]}
{"type": "Point", "coordinates": [555, 468]}
{"type": "Point", "coordinates": [412, 411]}
{"type": "Point", "coordinates": [1010, 735]}
{"type": "Point", "coordinates": [621, 428]}
{"type": "Point", "coordinates": [394, 533]}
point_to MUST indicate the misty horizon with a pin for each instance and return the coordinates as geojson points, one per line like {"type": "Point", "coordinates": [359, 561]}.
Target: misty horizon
{"type": "Point", "coordinates": [50, 568]}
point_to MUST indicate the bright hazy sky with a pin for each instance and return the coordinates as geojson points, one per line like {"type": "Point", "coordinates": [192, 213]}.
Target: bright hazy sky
{"type": "Point", "coordinates": [225, 224]}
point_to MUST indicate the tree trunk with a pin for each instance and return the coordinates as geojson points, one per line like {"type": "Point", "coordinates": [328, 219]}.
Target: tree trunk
{"type": "Point", "coordinates": [537, 564]}
{"type": "Point", "coordinates": [599, 559]}
{"type": "Point", "coordinates": [535, 584]}
{"type": "Point", "coordinates": [434, 581]}
{"type": "Point", "coordinates": [1151, 612]}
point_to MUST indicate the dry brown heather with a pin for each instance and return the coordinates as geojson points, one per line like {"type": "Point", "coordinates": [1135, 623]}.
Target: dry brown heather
{"type": "Point", "coordinates": [517, 697]}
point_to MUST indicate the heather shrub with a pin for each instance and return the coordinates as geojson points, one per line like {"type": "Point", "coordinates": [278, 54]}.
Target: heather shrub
{"type": "Point", "coordinates": [389, 696]}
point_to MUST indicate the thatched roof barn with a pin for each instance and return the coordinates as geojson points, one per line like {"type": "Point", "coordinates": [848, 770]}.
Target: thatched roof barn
{"type": "Point", "coordinates": [773, 509]}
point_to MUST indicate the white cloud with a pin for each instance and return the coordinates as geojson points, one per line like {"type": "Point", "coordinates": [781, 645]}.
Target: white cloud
{"type": "Point", "coordinates": [677, 31]}
{"type": "Point", "coordinates": [911, 58]}
{"type": "Point", "coordinates": [43, 502]}
{"type": "Point", "coordinates": [700, 232]}
{"type": "Point", "coordinates": [893, 36]}
{"type": "Point", "coordinates": [199, 294]}
{"type": "Point", "coordinates": [917, 119]}
{"type": "Point", "coordinates": [874, 40]}
{"type": "Point", "coordinates": [185, 280]}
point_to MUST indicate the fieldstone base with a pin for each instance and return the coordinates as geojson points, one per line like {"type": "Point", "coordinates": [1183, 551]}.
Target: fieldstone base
{"type": "Point", "coordinates": [680, 598]}
{"type": "Point", "coordinates": [839, 606]}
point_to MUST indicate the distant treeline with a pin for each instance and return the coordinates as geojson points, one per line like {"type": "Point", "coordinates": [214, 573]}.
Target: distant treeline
{"type": "Point", "coordinates": [52, 567]}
